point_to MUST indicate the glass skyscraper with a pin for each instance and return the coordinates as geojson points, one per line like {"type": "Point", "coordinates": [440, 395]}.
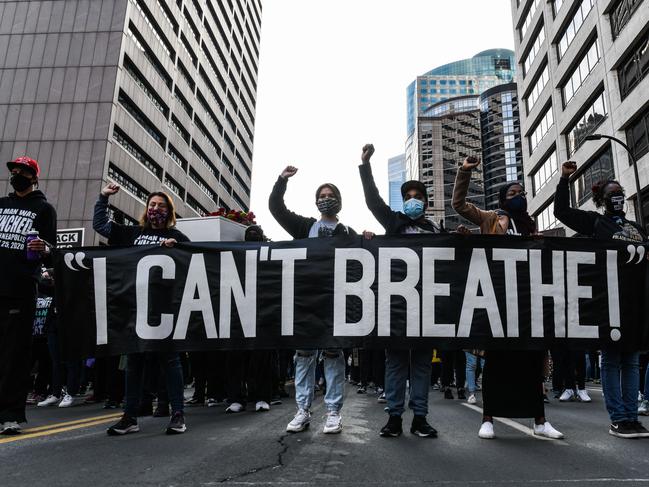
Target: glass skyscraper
{"type": "Point", "coordinates": [396, 177]}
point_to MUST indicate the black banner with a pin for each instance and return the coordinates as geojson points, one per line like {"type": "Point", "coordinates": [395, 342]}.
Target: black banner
{"type": "Point", "coordinates": [445, 291]}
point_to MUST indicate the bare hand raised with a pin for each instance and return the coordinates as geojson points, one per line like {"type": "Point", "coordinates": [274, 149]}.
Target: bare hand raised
{"type": "Point", "coordinates": [289, 172]}
{"type": "Point", "coordinates": [368, 150]}
{"type": "Point", "coordinates": [470, 163]}
{"type": "Point", "coordinates": [568, 168]}
{"type": "Point", "coordinates": [110, 189]}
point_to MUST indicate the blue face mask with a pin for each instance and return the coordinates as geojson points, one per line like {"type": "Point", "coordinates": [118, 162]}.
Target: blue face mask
{"type": "Point", "coordinates": [413, 208]}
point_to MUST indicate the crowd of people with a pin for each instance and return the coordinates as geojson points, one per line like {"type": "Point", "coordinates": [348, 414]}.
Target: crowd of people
{"type": "Point", "coordinates": [32, 371]}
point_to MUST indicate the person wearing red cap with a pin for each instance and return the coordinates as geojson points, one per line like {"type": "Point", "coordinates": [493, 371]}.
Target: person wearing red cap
{"type": "Point", "coordinates": [24, 210]}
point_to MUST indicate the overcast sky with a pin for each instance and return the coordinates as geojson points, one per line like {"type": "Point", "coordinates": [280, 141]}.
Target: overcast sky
{"type": "Point", "coordinates": [333, 76]}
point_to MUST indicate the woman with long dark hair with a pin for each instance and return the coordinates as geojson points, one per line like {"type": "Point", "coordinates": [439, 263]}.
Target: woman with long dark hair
{"type": "Point", "coordinates": [157, 227]}
{"type": "Point", "coordinates": [512, 384]}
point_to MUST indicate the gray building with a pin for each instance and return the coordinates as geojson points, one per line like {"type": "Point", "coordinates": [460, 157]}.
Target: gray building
{"type": "Point", "coordinates": [396, 177]}
{"type": "Point", "coordinates": [153, 95]}
{"type": "Point", "coordinates": [582, 68]}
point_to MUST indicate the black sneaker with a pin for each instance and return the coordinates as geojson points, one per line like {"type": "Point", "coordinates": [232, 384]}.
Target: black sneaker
{"type": "Point", "coordinates": [641, 430]}
{"type": "Point", "coordinates": [624, 429]}
{"type": "Point", "coordinates": [177, 424]}
{"type": "Point", "coordinates": [461, 394]}
{"type": "Point", "coordinates": [124, 426]}
{"type": "Point", "coordinates": [392, 428]}
{"type": "Point", "coordinates": [421, 428]}
{"type": "Point", "coordinates": [448, 393]}
{"type": "Point", "coordinates": [162, 410]}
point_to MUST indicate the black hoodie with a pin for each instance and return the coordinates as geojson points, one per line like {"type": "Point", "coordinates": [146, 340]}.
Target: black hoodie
{"type": "Point", "coordinates": [19, 215]}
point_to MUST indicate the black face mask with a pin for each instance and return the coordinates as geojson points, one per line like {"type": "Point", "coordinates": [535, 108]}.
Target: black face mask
{"type": "Point", "coordinates": [328, 206]}
{"type": "Point", "coordinates": [614, 202]}
{"type": "Point", "coordinates": [20, 183]}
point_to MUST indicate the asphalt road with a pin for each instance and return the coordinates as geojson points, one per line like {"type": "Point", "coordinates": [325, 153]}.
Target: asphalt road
{"type": "Point", "coordinates": [70, 447]}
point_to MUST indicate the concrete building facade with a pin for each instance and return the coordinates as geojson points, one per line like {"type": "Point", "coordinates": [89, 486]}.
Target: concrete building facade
{"type": "Point", "coordinates": [153, 95]}
{"type": "Point", "coordinates": [582, 68]}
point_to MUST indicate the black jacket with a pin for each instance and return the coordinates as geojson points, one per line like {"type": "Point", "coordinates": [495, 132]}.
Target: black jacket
{"type": "Point", "coordinates": [296, 225]}
{"type": "Point", "coordinates": [129, 234]}
{"type": "Point", "coordinates": [591, 223]}
{"type": "Point", "coordinates": [18, 215]}
{"type": "Point", "coordinates": [394, 222]}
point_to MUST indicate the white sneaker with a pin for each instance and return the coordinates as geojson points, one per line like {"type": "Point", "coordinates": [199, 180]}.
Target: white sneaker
{"type": "Point", "coordinates": [262, 406]}
{"type": "Point", "coordinates": [69, 401]}
{"type": "Point", "coordinates": [487, 430]}
{"type": "Point", "coordinates": [381, 399]}
{"type": "Point", "coordinates": [567, 395]}
{"type": "Point", "coordinates": [547, 430]}
{"type": "Point", "coordinates": [640, 396]}
{"type": "Point", "coordinates": [10, 428]}
{"type": "Point", "coordinates": [643, 409]}
{"type": "Point", "coordinates": [471, 399]}
{"type": "Point", "coordinates": [583, 396]}
{"type": "Point", "coordinates": [51, 400]}
{"type": "Point", "coordinates": [235, 407]}
{"type": "Point", "coordinates": [300, 422]}
{"type": "Point", "coordinates": [334, 423]}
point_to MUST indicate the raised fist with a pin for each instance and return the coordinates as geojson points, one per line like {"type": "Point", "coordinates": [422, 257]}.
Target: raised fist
{"type": "Point", "coordinates": [568, 168]}
{"type": "Point", "coordinates": [470, 163]}
{"type": "Point", "coordinates": [289, 172]}
{"type": "Point", "coordinates": [110, 189]}
{"type": "Point", "coordinates": [368, 150]}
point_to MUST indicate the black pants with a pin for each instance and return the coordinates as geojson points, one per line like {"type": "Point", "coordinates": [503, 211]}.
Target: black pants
{"type": "Point", "coordinates": [109, 380]}
{"type": "Point", "coordinates": [16, 322]}
{"type": "Point", "coordinates": [569, 369]}
{"type": "Point", "coordinates": [207, 368]}
{"type": "Point", "coordinates": [453, 361]}
{"type": "Point", "coordinates": [249, 371]}
{"type": "Point", "coordinates": [41, 356]}
{"type": "Point", "coordinates": [372, 367]}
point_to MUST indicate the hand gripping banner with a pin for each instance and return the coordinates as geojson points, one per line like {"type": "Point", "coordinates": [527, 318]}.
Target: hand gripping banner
{"type": "Point", "coordinates": [443, 291]}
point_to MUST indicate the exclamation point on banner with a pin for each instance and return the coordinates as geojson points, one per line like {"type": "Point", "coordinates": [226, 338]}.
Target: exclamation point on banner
{"type": "Point", "coordinates": [613, 295]}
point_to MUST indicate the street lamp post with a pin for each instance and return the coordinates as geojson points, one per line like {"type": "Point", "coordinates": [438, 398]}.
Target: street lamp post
{"type": "Point", "coordinates": [635, 170]}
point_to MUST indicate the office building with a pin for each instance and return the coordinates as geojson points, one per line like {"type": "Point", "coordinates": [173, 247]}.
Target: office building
{"type": "Point", "coordinates": [396, 177]}
{"type": "Point", "coordinates": [153, 95]}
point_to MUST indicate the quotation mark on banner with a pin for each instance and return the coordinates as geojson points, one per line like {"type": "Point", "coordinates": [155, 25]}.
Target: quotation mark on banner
{"type": "Point", "coordinates": [633, 251]}
{"type": "Point", "coordinates": [78, 258]}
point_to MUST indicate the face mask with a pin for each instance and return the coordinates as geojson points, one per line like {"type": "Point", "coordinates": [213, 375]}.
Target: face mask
{"type": "Point", "coordinates": [413, 208]}
{"type": "Point", "coordinates": [518, 204]}
{"type": "Point", "coordinates": [615, 202]}
{"type": "Point", "coordinates": [328, 206]}
{"type": "Point", "coordinates": [157, 216]}
{"type": "Point", "coordinates": [20, 183]}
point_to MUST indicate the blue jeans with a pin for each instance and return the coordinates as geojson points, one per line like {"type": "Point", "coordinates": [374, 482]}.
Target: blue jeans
{"type": "Point", "coordinates": [646, 384]}
{"type": "Point", "coordinates": [134, 378]}
{"type": "Point", "coordinates": [396, 375]}
{"type": "Point", "coordinates": [334, 370]}
{"type": "Point", "coordinates": [620, 384]}
{"type": "Point", "coordinates": [471, 364]}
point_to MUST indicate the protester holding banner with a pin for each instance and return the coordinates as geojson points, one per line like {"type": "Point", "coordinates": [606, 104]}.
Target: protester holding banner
{"type": "Point", "coordinates": [329, 203]}
{"type": "Point", "coordinates": [620, 369]}
{"type": "Point", "coordinates": [25, 210]}
{"type": "Point", "coordinates": [157, 226]}
{"type": "Point", "coordinates": [512, 384]}
{"type": "Point", "coordinates": [400, 362]}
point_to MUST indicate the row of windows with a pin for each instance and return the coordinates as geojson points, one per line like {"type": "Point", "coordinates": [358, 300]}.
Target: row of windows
{"type": "Point", "coordinates": [450, 82]}
{"type": "Point", "coordinates": [540, 83]}
{"type": "Point", "coordinates": [126, 182]}
{"type": "Point", "coordinates": [537, 45]}
{"type": "Point", "coordinates": [528, 17]}
{"type": "Point", "coordinates": [445, 91]}
{"type": "Point", "coordinates": [635, 66]}
{"type": "Point", "coordinates": [155, 28]}
{"type": "Point", "coordinates": [144, 85]}
{"type": "Point", "coordinates": [545, 220]}
{"type": "Point", "coordinates": [541, 129]}
{"type": "Point", "coordinates": [621, 14]}
{"type": "Point", "coordinates": [637, 135]}
{"type": "Point", "coordinates": [142, 119]}
{"type": "Point", "coordinates": [141, 44]}
{"type": "Point", "coordinates": [134, 150]}
{"type": "Point", "coordinates": [573, 26]}
{"type": "Point", "coordinates": [592, 117]}
{"type": "Point", "coordinates": [581, 72]}
{"type": "Point", "coordinates": [202, 184]}
{"type": "Point", "coordinates": [545, 172]}
{"type": "Point", "coordinates": [599, 169]}
{"type": "Point", "coordinates": [170, 183]}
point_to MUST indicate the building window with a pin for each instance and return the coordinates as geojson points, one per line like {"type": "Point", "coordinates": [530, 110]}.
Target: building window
{"type": "Point", "coordinates": [637, 135]}
{"type": "Point", "coordinates": [196, 206]}
{"type": "Point", "coordinates": [136, 151]}
{"type": "Point", "coordinates": [542, 127]}
{"type": "Point", "coordinates": [573, 26]}
{"type": "Point", "coordinates": [155, 28]}
{"type": "Point", "coordinates": [581, 72]}
{"type": "Point", "coordinates": [201, 184]}
{"type": "Point", "coordinates": [182, 101]}
{"type": "Point", "coordinates": [545, 219]}
{"type": "Point", "coordinates": [634, 66]}
{"type": "Point", "coordinates": [537, 44]}
{"type": "Point", "coordinates": [536, 90]}
{"type": "Point", "coordinates": [118, 216]}
{"type": "Point", "coordinates": [601, 168]}
{"type": "Point", "coordinates": [545, 172]}
{"type": "Point", "coordinates": [141, 44]}
{"type": "Point", "coordinates": [621, 14]}
{"type": "Point", "coordinates": [177, 126]}
{"type": "Point", "coordinates": [127, 183]}
{"type": "Point", "coordinates": [204, 159]}
{"type": "Point", "coordinates": [176, 157]}
{"type": "Point", "coordinates": [587, 123]}
{"type": "Point", "coordinates": [174, 186]}
{"type": "Point", "coordinates": [528, 17]}
{"type": "Point", "coordinates": [144, 85]}
{"type": "Point", "coordinates": [135, 112]}
{"type": "Point", "coordinates": [556, 6]}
